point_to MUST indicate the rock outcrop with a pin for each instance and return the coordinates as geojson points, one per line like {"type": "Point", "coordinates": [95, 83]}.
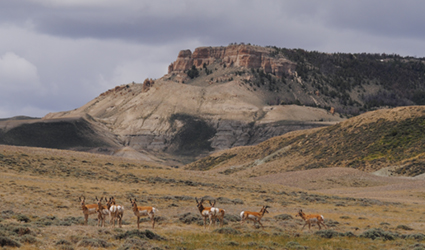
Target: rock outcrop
{"type": "Point", "coordinates": [246, 56]}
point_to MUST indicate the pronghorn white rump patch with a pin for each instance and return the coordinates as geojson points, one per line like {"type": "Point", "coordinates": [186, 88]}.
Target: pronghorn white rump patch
{"type": "Point", "coordinates": [116, 208]}
{"type": "Point", "coordinates": [214, 211]}
{"type": "Point", "coordinates": [323, 218]}
{"type": "Point", "coordinates": [242, 214]}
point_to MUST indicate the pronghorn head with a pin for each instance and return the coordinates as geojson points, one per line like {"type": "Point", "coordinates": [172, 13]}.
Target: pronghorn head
{"type": "Point", "coordinates": [265, 209]}
{"type": "Point", "coordinates": [213, 204]}
{"type": "Point", "coordinates": [99, 203]}
{"type": "Point", "coordinates": [82, 201]}
{"type": "Point", "coordinates": [108, 202]}
{"type": "Point", "coordinates": [199, 204]}
{"type": "Point", "coordinates": [300, 214]}
{"type": "Point", "coordinates": [133, 202]}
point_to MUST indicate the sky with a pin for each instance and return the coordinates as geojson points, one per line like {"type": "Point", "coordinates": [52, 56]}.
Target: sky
{"type": "Point", "coordinates": [57, 55]}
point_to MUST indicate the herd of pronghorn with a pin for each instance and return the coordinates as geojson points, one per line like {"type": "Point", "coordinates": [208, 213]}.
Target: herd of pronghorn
{"type": "Point", "coordinates": [116, 212]}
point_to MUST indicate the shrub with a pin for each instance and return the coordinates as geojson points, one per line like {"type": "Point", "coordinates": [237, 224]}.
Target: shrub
{"type": "Point", "coordinates": [418, 236]}
{"type": "Point", "coordinates": [63, 242]}
{"type": "Point", "coordinates": [404, 227]}
{"type": "Point", "coordinates": [94, 243]}
{"type": "Point", "coordinates": [284, 217]}
{"type": "Point", "coordinates": [327, 233]}
{"type": "Point", "coordinates": [226, 230]}
{"type": "Point", "coordinates": [190, 218]}
{"type": "Point", "coordinates": [21, 217]}
{"type": "Point", "coordinates": [147, 234]}
{"type": "Point", "coordinates": [232, 217]}
{"type": "Point", "coordinates": [21, 230]}
{"type": "Point", "coordinates": [28, 239]}
{"type": "Point", "coordinates": [8, 242]}
{"type": "Point", "coordinates": [294, 245]}
{"type": "Point", "coordinates": [377, 233]}
{"type": "Point", "coordinates": [133, 244]}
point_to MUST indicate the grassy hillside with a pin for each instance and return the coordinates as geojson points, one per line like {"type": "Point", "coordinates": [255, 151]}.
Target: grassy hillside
{"type": "Point", "coordinates": [39, 208]}
{"type": "Point", "coordinates": [368, 142]}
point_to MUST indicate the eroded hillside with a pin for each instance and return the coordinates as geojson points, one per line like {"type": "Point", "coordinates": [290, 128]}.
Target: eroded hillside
{"type": "Point", "coordinates": [391, 139]}
{"type": "Point", "coordinates": [217, 98]}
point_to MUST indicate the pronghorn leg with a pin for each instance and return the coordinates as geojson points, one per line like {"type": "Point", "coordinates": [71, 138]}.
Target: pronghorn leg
{"type": "Point", "coordinates": [211, 220]}
{"type": "Point", "coordinates": [261, 224]}
{"type": "Point", "coordinates": [120, 221]}
{"type": "Point", "coordinates": [86, 218]}
{"type": "Point", "coordinates": [153, 221]}
{"type": "Point", "coordinates": [138, 222]}
{"type": "Point", "coordinates": [304, 226]}
{"type": "Point", "coordinates": [205, 222]}
{"type": "Point", "coordinates": [318, 223]}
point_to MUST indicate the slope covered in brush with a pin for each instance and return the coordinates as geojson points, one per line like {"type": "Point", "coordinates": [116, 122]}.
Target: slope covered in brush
{"type": "Point", "coordinates": [369, 142]}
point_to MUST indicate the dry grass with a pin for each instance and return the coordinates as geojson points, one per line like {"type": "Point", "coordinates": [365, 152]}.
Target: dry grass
{"type": "Point", "coordinates": [39, 207]}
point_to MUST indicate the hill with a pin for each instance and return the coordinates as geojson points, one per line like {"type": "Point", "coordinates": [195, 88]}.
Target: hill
{"type": "Point", "coordinates": [390, 139]}
{"type": "Point", "coordinates": [217, 98]}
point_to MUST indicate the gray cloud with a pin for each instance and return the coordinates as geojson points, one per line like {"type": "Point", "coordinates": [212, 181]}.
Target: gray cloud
{"type": "Point", "coordinates": [72, 50]}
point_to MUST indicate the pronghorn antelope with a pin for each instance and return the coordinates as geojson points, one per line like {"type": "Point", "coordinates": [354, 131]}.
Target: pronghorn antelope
{"type": "Point", "coordinates": [254, 216]}
{"type": "Point", "coordinates": [87, 209]}
{"type": "Point", "coordinates": [217, 213]}
{"type": "Point", "coordinates": [311, 218]}
{"type": "Point", "coordinates": [117, 212]}
{"type": "Point", "coordinates": [205, 211]}
{"type": "Point", "coordinates": [102, 211]}
{"type": "Point", "coordinates": [143, 211]}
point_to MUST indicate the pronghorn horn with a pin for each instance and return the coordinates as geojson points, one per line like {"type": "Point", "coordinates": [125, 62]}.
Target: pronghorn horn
{"type": "Point", "coordinates": [196, 200]}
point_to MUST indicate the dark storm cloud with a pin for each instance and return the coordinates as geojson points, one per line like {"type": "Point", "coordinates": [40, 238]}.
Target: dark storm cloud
{"type": "Point", "coordinates": [63, 53]}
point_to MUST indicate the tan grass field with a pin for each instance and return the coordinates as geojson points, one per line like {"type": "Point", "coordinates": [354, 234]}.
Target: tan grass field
{"type": "Point", "coordinates": [40, 209]}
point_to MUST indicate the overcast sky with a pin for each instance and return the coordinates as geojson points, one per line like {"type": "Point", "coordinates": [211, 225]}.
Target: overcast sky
{"type": "Point", "coordinates": [57, 55]}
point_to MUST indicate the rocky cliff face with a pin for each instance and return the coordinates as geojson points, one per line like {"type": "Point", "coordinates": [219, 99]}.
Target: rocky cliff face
{"type": "Point", "coordinates": [246, 56]}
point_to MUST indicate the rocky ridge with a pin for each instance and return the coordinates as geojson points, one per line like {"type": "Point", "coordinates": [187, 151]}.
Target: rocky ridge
{"type": "Point", "coordinates": [250, 57]}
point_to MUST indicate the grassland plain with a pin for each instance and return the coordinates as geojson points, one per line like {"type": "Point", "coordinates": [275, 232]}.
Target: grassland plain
{"type": "Point", "coordinates": [39, 208]}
